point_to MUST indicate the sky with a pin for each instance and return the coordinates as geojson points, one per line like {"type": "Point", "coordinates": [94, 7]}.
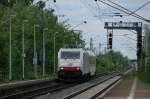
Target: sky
{"type": "Point", "coordinates": [95, 13]}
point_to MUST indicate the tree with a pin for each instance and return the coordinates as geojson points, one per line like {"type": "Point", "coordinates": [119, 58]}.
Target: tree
{"type": "Point", "coordinates": [35, 14]}
{"type": "Point", "coordinates": [111, 61]}
{"type": "Point", "coordinates": [10, 3]}
{"type": "Point", "coordinates": [146, 50]}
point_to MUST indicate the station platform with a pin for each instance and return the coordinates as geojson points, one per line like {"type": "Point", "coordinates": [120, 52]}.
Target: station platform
{"type": "Point", "coordinates": [129, 89]}
{"type": "Point", "coordinates": [14, 84]}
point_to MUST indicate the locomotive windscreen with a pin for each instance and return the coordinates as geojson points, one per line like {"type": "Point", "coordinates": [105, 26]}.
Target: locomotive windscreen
{"type": "Point", "coordinates": [70, 55]}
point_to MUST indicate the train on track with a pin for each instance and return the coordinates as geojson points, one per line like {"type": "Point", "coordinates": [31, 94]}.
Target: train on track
{"type": "Point", "coordinates": [75, 63]}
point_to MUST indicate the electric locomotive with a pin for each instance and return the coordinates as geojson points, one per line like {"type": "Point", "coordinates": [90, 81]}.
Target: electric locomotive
{"type": "Point", "coordinates": [75, 63]}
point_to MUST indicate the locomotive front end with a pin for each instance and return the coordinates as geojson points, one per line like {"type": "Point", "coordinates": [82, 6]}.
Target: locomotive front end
{"type": "Point", "coordinates": [69, 64]}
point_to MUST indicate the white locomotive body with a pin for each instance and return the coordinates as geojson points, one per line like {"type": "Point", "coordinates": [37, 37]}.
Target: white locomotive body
{"type": "Point", "coordinates": [74, 63]}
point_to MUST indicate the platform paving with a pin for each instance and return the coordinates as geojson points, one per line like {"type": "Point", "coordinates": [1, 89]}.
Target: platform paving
{"type": "Point", "coordinates": [142, 91]}
{"type": "Point", "coordinates": [121, 91]}
{"type": "Point", "coordinates": [129, 89]}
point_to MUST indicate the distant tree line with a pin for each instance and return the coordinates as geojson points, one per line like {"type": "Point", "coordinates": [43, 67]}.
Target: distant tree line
{"type": "Point", "coordinates": [11, 3]}
{"type": "Point", "coordinates": [111, 61]}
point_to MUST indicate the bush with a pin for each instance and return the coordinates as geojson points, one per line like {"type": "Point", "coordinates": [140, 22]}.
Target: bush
{"type": "Point", "coordinates": [144, 77]}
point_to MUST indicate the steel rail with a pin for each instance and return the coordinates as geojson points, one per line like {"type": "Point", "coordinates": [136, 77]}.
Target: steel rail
{"type": "Point", "coordinates": [90, 87]}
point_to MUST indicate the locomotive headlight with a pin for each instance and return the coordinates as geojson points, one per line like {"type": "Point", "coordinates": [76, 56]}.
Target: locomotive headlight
{"type": "Point", "coordinates": [78, 68]}
{"type": "Point", "coordinates": [61, 68]}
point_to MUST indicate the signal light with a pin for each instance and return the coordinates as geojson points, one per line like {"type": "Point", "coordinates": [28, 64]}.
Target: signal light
{"type": "Point", "coordinates": [110, 34]}
{"type": "Point", "coordinates": [139, 45]}
{"type": "Point", "coordinates": [54, 0]}
{"type": "Point", "coordinates": [110, 40]}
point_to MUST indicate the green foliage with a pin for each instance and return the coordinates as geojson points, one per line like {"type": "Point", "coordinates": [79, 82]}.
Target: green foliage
{"type": "Point", "coordinates": [129, 76]}
{"type": "Point", "coordinates": [35, 15]}
{"type": "Point", "coordinates": [146, 51]}
{"type": "Point", "coordinates": [144, 77]}
{"type": "Point", "coordinates": [110, 62]}
{"type": "Point", "coordinates": [147, 64]}
{"type": "Point", "coordinates": [11, 3]}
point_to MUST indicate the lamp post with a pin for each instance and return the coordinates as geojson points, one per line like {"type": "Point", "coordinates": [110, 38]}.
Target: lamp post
{"type": "Point", "coordinates": [45, 29]}
{"type": "Point", "coordinates": [23, 53]}
{"type": "Point", "coordinates": [83, 22]}
{"type": "Point", "coordinates": [10, 46]}
{"type": "Point", "coordinates": [35, 53]}
{"type": "Point", "coordinates": [10, 51]}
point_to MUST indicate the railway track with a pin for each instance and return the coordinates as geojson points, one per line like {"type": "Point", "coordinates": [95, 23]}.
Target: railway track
{"type": "Point", "coordinates": [68, 93]}
{"type": "Point", "coordinates": [28, 91]}
{"type": "Point", "coordinates": [95, 91]}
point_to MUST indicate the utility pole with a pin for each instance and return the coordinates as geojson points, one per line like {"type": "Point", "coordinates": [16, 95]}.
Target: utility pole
{"type": "Point", "coordinates": [23, 53]}
{"type": "Point", "coordinates": [91, 44]}
{"type": "Point", "coordinates": [35, 53]}
{"type": "Point", "coordinates": [44, 50]}
{"type": "Point", "coordinates": [10, 51]}
{"type": "Point", "coordinates": [99, 48]}
{"type": "Point", "coordinates": [10, 46]}
{"type": "Point", "coordinates": [54, 53]}
{"type": "Point", "coordinates": [54, 50]}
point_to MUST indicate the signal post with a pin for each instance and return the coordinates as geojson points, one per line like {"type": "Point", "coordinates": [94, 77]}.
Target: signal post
{"type": "Point", "coordinates": [137, 26]}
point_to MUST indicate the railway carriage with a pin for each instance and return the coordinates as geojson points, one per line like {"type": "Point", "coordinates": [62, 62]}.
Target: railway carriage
{"type": "Point", "coordinates": [75, 63]}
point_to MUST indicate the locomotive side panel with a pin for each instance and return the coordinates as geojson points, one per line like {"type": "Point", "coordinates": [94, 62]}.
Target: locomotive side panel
{"type": "Point", "coordinates": [86, 68]}
{"type": "Point", "coordinates": [92, 64]}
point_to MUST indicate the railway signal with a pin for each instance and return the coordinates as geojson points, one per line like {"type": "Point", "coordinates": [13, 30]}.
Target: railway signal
{"type": "Point", "coordinates": [54, 0]}
{"type": "Point", "coordinates": [110, 41]}
{"type": "Point", "coordinates": [139, 45]}
{"type": "Point", "coordinates": [136, 26]}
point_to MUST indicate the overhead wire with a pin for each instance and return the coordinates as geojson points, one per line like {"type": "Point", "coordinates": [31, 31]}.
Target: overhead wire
{"type": "Point", "coordinates": [142, 6]}
{"type": "Point", "coordinates": [122, 10]}
{"type": "Point", "coordinates": [59, 12]}
{"type": "Point", "coordinates": [92, 12]}
{"type": "Point", "coordinates": [87, 7]}
{"type": "Point", "coordinates": [137, 10]}
{"type": "Point", "coordinates": [98, 11]}
{"type": "Point", "coordinates": [98, 7]}
{"type": "Point", "coordinates": [125, 9]}
{"type": "Point", "coordinates": [133, 13]}
{"type": "Point", "coordinates": [132, 31]}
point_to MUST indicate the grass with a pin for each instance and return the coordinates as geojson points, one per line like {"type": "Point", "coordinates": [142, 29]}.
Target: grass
{"type": "Point", "coordinates": [144, 77]}
{"type": "Point", "coordinates": [128, 76]}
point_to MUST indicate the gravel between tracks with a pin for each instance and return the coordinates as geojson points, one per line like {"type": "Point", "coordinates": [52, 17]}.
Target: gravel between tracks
{"type": "Point", "coordinates": [63, 93]}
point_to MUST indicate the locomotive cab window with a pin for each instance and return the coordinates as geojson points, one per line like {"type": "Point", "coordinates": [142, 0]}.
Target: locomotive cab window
{"type": "Point", "coordinates": [70, 55]}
